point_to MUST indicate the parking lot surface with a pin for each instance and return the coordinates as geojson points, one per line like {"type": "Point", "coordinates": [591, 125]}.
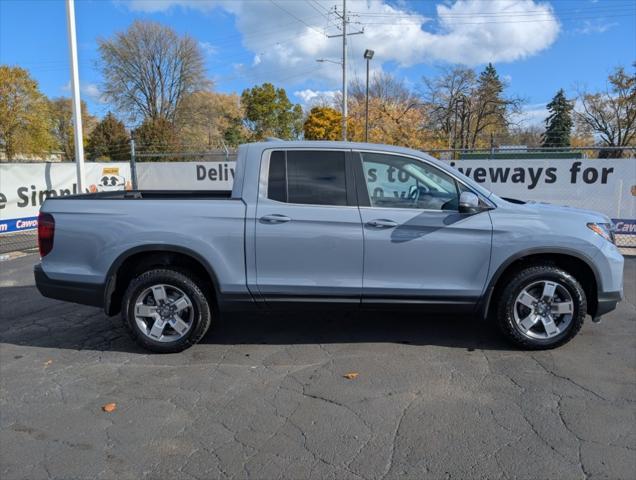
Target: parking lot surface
{"type": "Point", "coordinates": [265, 396]}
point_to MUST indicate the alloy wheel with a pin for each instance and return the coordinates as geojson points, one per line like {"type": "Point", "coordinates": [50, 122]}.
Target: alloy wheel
{"type": "Point", "coordinates": [164, 313]}
{"type": "Point", "coordinates": [543, 309]}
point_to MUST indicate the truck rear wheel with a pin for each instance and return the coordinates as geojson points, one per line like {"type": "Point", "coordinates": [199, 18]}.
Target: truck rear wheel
{"type": "Point", "coordinates": [165, 310]}
{"type": "Point", "coordinates": [541, 307]}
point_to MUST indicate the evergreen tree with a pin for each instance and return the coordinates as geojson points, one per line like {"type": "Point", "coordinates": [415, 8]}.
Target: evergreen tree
{"type": "Point", "coordinates": [490, 108]}
{"type": "Point", "coordinates": [558, 125]}
{"type": "Point", "coordinates": [157, 136]}
{"type": "Point", "coordinates": [109, 140]}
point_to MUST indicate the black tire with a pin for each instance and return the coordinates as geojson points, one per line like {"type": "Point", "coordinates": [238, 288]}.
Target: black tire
{"type": "Point", "coordinates": [521, 280]}
{"type": "Point", "coordinates": [189, 285]}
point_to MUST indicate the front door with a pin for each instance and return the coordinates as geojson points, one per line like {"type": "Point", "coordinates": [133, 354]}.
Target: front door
{"type": "Point", "coordinates": [308, 228]}
{"type": "Point", "coordinates": [417, 247]}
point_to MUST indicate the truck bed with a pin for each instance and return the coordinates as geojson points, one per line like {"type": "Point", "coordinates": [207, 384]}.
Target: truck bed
{"type": "Point", "coordinates": [151, 195]}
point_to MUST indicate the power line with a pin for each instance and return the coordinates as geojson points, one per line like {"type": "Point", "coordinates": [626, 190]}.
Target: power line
{"type": "Point", "coordinates": [591, 9]}
{"type": "Point", "coordinates": [294, 16]}
{"type": "Point", "coordinates": [554, 19]}
{"type": "Point", "coordinates": [597, 10]}
{"type": "Point", "coordinates": [324, 13]}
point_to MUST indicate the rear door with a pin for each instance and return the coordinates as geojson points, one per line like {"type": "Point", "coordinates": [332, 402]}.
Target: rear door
{"type": "Point", "coordinates": [308, 230]}
{"type": "Point", "coordinates": [417, 247]}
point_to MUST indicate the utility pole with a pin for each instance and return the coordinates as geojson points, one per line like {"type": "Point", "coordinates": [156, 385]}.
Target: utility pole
{"type": "Point", "coordinates": [344, 34]}
{"type": "Point", "coordinates": [344, 71]}
{"type": "Point", "coordinates": [75, 92]}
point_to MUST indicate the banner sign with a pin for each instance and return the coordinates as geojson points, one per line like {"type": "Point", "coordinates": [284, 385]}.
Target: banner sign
{"type": "Point", "coordinates": [25, 186]}
{"type": "Point", "coordinates": [604, 185]}
{"type": "Point", "coordinates": [624, 226]}
{"type": "Point", "coordinates": [186, 175]}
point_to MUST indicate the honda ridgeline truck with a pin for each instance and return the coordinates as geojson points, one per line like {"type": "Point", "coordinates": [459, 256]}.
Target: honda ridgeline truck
{"type": "Point", "coordinates": [329, 223]}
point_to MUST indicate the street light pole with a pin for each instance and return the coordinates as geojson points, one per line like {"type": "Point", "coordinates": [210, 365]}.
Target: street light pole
{"type": "Point", "coordinates": [75, 92]}
{"type": "Point", "coordinates": [368, 55]}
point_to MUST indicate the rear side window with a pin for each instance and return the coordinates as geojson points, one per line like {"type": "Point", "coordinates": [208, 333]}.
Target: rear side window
{"type": "Point", "coordinates": [277, 181]}
{"type": "Point", "coordinates": [307, 177]}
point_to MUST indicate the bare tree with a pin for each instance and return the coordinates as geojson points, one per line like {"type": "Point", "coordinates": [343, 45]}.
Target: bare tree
{"type": "Point", "coordinates": [449, 100]}
{"type": "Point", "coordinates": [382, 86]}
{"type": "Point", "coordinates": [468, 110]}
{"type": "Point", "coordinates": [148, 69]}
{"type": "Point", "coordinates": [611, 114]}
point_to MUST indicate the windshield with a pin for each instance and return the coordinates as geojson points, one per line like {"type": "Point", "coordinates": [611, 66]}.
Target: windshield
{"type": "Point", "coordinates": [468, 181]}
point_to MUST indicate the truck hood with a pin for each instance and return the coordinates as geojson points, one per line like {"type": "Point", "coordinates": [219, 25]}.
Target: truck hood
{"type": "Point", "coordinates": [555, 211]}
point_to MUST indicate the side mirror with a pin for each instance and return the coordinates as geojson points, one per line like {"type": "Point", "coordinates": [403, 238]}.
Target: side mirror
{"type": "Point", "coordinates": [469, 203]}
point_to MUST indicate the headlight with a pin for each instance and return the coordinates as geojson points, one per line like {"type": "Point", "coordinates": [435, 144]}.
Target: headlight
{"type": "Point", "coordinates": [605, 230]}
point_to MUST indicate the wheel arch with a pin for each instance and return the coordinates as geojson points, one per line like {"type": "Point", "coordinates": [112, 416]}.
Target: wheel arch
{"type": "Point", "coordinates": [140, 258]}
{"type": "Point", "coordinates": [573, 262]}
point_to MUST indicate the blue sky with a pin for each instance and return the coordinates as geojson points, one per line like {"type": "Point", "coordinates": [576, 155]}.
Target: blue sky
{"type": "Point", "coordinates": [537, 46]}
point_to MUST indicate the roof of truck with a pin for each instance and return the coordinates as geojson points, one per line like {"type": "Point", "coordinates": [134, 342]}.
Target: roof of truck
{"type": "Point", "coordinates": [277, 143]}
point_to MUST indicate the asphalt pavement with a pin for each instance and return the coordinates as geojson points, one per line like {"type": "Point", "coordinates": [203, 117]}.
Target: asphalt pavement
{"type": "Point", "coordinates": [265, 396]}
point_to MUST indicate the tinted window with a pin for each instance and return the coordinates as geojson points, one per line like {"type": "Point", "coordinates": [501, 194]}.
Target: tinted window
{"type": "Point", "coordinates": [401, 182]}
{"type": "Point", "coordinates": [277, 183]}
{"type": "Point", "coordinates": [307, 177]}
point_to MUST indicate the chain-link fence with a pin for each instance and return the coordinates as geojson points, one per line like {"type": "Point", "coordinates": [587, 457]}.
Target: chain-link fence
{"type": "Point", "coordinates": [18, 242]}
{"type": "Point", "coordinates": [522, 152]}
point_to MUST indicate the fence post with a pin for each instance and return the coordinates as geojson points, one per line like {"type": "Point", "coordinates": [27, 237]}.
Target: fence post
{"type": "Point", "coordinates": [133, 165]}
{"type": "Point", "coordinates": [227, 152]}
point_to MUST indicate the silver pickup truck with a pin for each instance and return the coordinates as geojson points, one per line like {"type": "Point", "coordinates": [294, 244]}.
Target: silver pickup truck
{"type": "Point", "coordinates": [323, 224]}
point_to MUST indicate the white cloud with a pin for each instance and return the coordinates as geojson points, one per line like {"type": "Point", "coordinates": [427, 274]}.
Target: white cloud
{"type": "Point", "coordinates": [90, 90]}
{"type": "Point", "coordinates": [287, 37]}
{"type": "Point", "coordinates": [309, 97]}
{"type": "Point", "coordinates": [595, 26]}
{"type": "Point", "coordinates": [531, 115]}
{"type": "Point", "coordinates": [208, 48]}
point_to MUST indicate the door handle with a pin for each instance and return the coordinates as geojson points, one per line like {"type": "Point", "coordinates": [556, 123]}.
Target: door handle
{"type": "Point", "coordinates": [275, 218]}
{"type": "Point", "coordinates": [382, 223]}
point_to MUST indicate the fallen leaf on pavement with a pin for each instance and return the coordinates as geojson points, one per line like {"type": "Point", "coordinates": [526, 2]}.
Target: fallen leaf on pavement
{"type": "Point", "coordinates": [109, 407]}
{"type": "Point", "coordinates": [351, 376]}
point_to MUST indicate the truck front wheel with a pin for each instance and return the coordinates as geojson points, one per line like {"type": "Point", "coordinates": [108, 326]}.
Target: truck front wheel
{"type": "Point", "coordinates": [165, 310]}
{"type": "Point", "coordinates": [541, 307]}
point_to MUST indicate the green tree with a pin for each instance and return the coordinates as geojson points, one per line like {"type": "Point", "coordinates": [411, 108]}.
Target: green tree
{"type": "Point", "coordinates": [268, 112]}
{"type": "Point", "coordinates": [323, 123]}
{"type": "Point", "coordinates": [24, 114]}
{"type": "Point", "coordinates": [157, 136]}
{"type": "Point", "coordinates": [61, 111]}
{"type": "Point", "coordinates": [558, 125]}
{"type": "Point", "coordinates": [109, 140]}
{"type": "Point", "coordinates": [209, 119]}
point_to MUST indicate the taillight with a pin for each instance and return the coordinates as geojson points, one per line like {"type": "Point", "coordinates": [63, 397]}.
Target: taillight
{"type": "Point", "coordinates": [46, 232]}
